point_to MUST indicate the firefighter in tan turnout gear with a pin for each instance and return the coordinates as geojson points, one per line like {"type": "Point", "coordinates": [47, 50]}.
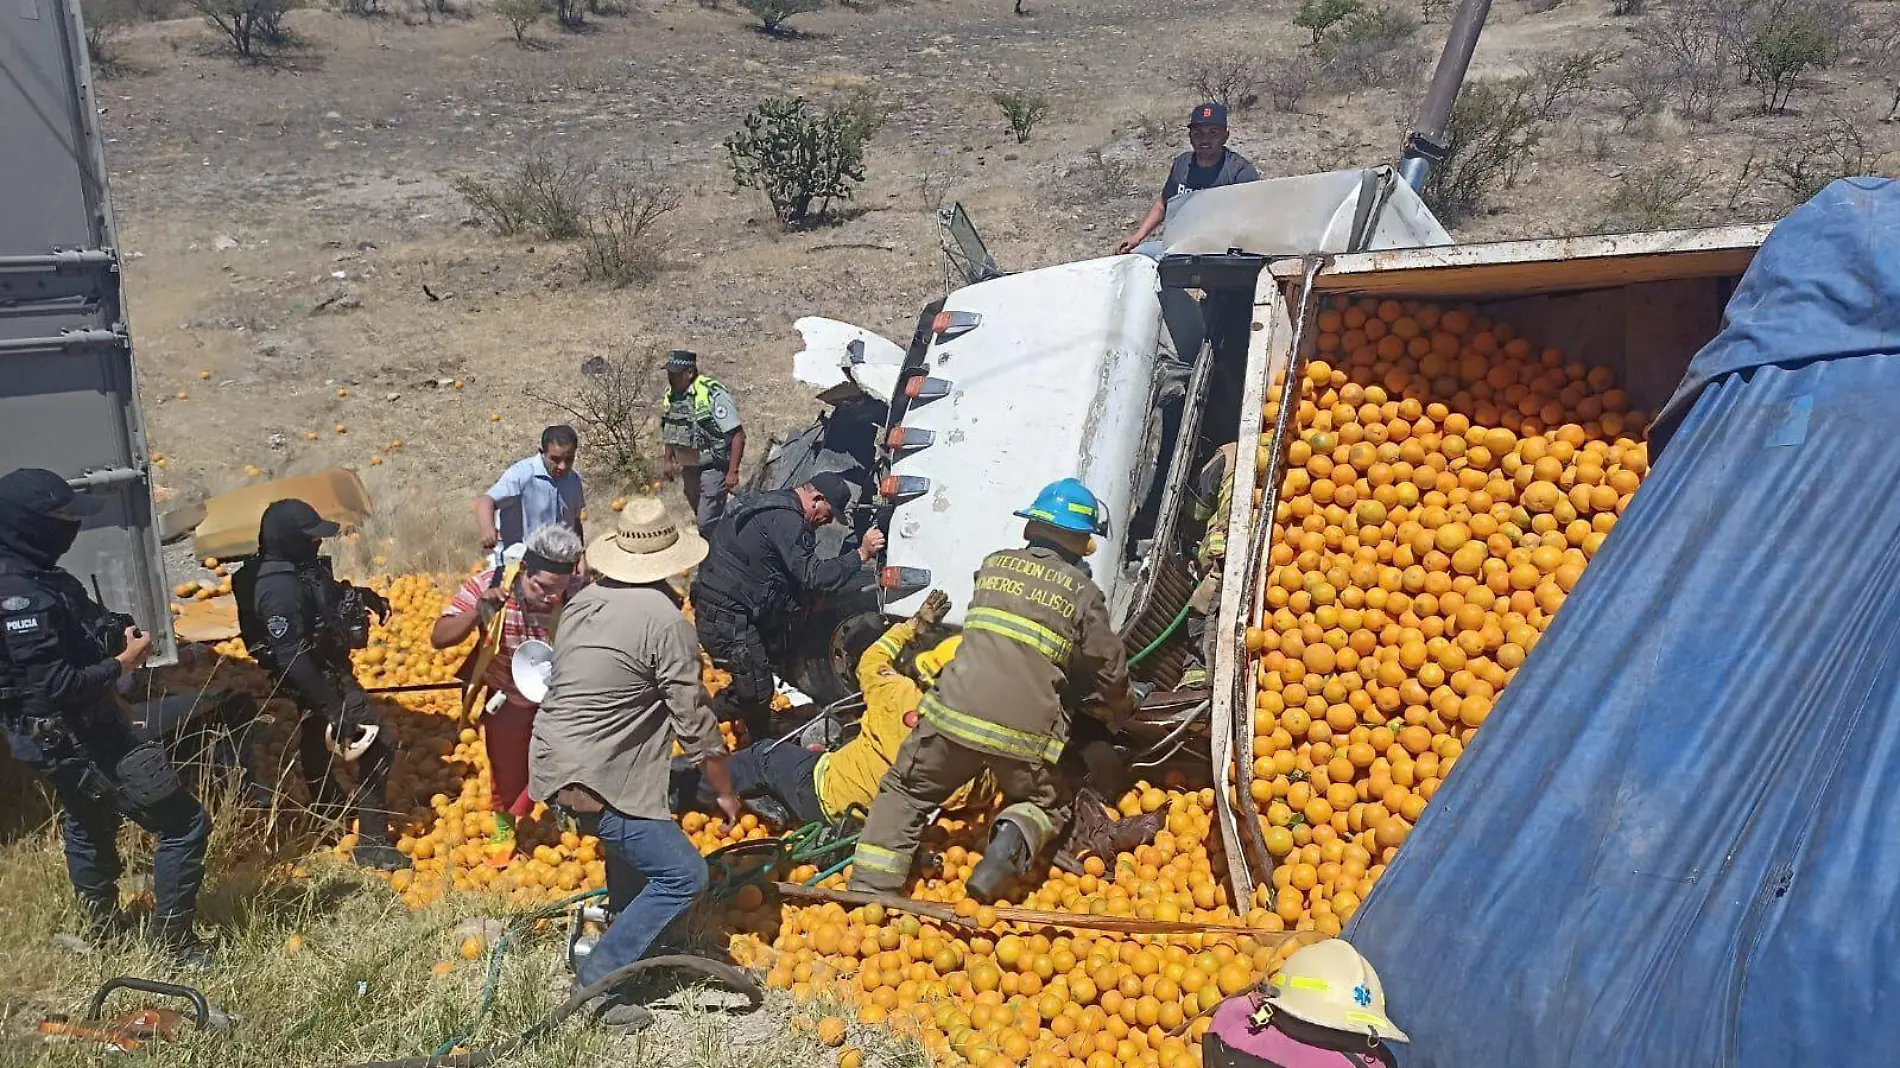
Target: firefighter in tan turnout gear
{"type": "Point", "coordinates": [1037, 643]}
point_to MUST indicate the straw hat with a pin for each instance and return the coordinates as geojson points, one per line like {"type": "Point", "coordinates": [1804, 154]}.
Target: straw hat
{"type": "Point", "coordinates": [646, 545]}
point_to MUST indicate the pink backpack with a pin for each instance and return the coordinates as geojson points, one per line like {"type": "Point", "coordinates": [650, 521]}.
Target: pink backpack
{"type": "Point", "coordinates": [1247, 1033]}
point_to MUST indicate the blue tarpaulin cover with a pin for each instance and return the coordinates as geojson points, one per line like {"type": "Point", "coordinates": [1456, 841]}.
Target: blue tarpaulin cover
{"type": "Point", "coordinates": [1676, 842]}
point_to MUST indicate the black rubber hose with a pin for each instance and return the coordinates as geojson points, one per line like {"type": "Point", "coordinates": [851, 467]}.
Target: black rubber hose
{"type": "Point", "coordinates": [732, 977]}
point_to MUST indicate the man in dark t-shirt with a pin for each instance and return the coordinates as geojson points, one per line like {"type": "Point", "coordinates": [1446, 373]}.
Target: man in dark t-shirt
{"type": "Point", "coordinates": [1210, 163]}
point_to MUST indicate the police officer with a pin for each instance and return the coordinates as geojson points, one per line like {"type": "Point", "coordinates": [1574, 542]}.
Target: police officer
{"type": "Point", "coordinates": [62, 655]}
{"type": "Point", "coordinates": [763, 569]}
{"type": "Point", "coordinates": [702, 439]}
{"type": "Point", "coordinates": [1036, 641]}
{"type": "Point", "coordinates": [300, 623]}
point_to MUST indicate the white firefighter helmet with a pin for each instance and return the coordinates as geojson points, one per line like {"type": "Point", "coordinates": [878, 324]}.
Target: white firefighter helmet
{"type": "Point", "coordinates": [1330, 984]}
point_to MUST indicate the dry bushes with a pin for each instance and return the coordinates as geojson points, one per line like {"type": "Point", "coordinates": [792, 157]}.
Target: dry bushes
{"type": "Point", "coordinates": [563, 197]}
{"type": "Point", "coordinates": [773, 13]}
{"type": "Point", "coordinates": [1804, 162]}
{"type": "Point", "coordinates": [1651, 197]}
{"type": "Point", "coordinates": [1233, 78]}
{"type": "Point", "coordinates": [612, 403]}
{"type": "Point", "coordinates": [1695, 51]}
{"type": "Point", "coordinates": [1495, 126]}
{"type": "Point", "coordinates": [251, 28]}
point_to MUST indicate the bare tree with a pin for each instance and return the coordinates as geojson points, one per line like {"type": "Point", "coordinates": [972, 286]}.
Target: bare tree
{"type": "Point", "coordinates": [251, 26]}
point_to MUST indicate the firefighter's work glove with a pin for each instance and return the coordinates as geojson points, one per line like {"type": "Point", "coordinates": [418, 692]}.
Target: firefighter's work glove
{"type": "Point", "coordinates": [935, 607]}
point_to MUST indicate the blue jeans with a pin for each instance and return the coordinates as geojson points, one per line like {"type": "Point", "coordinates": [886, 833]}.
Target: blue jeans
{"type": "Point", "coordinates": [89, 825]}
{"type": "Point", "coordinates": [653, 875]}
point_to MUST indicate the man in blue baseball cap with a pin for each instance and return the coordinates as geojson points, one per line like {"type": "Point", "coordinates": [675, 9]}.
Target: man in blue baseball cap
{"type": "Point", "coordinates": [1036, 641]}
{"type": "Point", "coordinates": [1210, 163]}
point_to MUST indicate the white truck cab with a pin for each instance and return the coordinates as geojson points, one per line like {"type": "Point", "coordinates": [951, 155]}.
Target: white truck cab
{"type": "Point", "coordinates": [1102, 370]}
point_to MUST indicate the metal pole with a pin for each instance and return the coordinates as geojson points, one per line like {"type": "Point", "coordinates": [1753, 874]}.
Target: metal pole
{"type": "Point", "coordinates": [1425, 144]}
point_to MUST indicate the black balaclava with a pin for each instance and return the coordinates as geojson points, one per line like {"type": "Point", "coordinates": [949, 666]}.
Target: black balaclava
{"type": "Point", "coordinates": [28, 527]}
{"type": "Point", "coordinates": [281, 537]}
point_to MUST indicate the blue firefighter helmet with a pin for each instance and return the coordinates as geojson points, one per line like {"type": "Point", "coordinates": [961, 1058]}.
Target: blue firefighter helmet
{"type": "Point", "coordinates": [1068, 505]}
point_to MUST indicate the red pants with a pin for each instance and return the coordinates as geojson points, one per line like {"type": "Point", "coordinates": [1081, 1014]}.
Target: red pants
{"type": "Point", "coordinates": [505, 734]}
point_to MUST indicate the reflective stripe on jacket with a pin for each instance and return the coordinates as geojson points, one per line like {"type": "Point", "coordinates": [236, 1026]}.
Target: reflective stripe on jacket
{"type": "Point", "coordinates": [1036, 644]}
{"type": "Point", "coordinates": [687, 419]}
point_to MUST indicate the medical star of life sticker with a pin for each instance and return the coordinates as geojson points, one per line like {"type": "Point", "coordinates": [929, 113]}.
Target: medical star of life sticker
{"type": "Point", "coordinates": [278, 626]}
{"type": "Point", "coordinates": [14, 604]}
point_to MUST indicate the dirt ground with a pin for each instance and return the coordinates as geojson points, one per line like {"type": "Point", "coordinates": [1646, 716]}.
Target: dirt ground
{"type": "Point", "coordinates": [307, 289]}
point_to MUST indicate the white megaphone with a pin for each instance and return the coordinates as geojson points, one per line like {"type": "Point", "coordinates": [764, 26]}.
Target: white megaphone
{"type": "Point", "coordinates": [533, 666]}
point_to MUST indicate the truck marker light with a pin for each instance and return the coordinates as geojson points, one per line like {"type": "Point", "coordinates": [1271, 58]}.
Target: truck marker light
{"type": "Point", "coordinates": [904, 578]}
{"type": "Point", "coordinates": [951, 324]}
{"type": "Point", "coordinates": [901, 488]}
{"type": "Point", "coordinates": [904, 437]}
{"type": "Point", "coordinates": [921, 388]}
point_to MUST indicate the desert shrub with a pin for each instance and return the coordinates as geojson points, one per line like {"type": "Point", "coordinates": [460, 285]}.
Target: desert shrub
{"type": "Point", "coordinates": [1803, 163]}
{"type": "Point", "coordinates": [773, 13]}
{"type": "Point", "coordinates": [1433, 10]}
{"type": "Point", "coordinates": [1651, 197]}
{"type": "Point", "coordinates": [611, 402]}
{"type": "Point", "coordinates": [797, 157]}
{"type": "Point", "coordinates": [1233, 77]}
{"type": "Point", "coordinates": [520, 15]}
{"type": "Point", "coordinates": [1640, 85]}
{"type": "Point", "coordinates": [546, 195]}
{"type": "Point", "coordinates": [1022, 109]}
{"type": "Point", "coordinates": [105, 21]}
{"type": "Point", "coordinates": [1495, 126]}
{"type": "Point", "coordinates": [861, 112]}
{"type": "Point", "coordinates": [1879, 53]}
{"type": "Point", "coordinates": [1319, 16]}
{"type": "Point", "coordinates": [1784, 39]}
{"type": "Point", "coordinates": [250, 27]}
{"type": "Point", "coordinates": [1690, 45]}
{"type": "Point", "coordinates": [1371, 46]}
{"type": "Point", "coordinates": [1289, 77]}
{"type": "Point", "coordinates": [362, 9]}
{"type": "Point", "coordinates": [622, 242]}
{"type": "Point", "coordinates": [1628, 7]}
{"type": "Point", "coordinates": [570, 14]}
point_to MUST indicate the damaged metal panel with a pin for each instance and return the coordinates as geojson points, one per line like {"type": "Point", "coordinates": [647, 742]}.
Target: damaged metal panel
{"type": "Point", "coordinates": [68, 394]}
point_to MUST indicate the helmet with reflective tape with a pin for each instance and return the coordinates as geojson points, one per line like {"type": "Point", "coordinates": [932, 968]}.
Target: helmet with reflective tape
{"type": "Point", "coordinates": [1330, 984]}
{"type": "Point", "coordinates": [1068, 505]}
{"type": "Point", "coordinates": [931, 663]}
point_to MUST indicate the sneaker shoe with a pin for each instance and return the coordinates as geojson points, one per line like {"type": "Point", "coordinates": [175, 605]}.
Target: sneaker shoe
{"type": "Point", "coordinates": [180, 945]}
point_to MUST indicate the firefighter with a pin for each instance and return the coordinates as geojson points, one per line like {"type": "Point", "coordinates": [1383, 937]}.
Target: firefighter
{"type": "Point", "coordinates": [61, 654]}
{"type": "Point", "coordinates": [300, 623]}
{"type": "Point", "coordinates": [1036, 643]}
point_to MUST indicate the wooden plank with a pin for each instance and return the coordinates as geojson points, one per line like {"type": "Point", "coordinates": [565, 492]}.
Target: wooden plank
{"type": "Point", "coordinates": [947, 916]}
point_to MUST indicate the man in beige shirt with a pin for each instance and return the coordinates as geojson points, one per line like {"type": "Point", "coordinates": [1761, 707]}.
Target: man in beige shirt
{"type": "Point", "coordinates": [625, 688]}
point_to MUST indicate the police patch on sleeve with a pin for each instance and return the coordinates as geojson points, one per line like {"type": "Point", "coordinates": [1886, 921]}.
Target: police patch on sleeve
{"type": "Point", "coordinates": [278, 626]}
{"type": "Point", "coordinates": [23, 625]}
{"type": "Point", "coordinates": [720, 411]}
{"type": "Point", "coordinates": [14, 604]}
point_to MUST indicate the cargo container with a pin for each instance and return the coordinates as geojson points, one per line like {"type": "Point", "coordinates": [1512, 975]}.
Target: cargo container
{"type": "Point", "coordinates": [1640, 304]}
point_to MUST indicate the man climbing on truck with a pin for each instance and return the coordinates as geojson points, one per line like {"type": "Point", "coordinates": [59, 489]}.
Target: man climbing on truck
{"type": "Point", "coordinates": [1036, 639]}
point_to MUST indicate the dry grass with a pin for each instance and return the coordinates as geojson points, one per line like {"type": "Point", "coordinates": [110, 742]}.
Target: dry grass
{"type": "Point", "coordinates": [322, 966]}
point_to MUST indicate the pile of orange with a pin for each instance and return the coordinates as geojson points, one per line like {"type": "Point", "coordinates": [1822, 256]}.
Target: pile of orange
{"type": "Point", "coordinates": [1446, 483]}
{"type": "Point", "coordinates": [1445, 486]}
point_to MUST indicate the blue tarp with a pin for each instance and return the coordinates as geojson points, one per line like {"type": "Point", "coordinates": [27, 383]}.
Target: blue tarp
{"type": "Point", "coordinates": [1676, 842]}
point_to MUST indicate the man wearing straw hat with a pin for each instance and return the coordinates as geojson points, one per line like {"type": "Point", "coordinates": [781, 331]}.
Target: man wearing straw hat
{"type": "Point", "coordinates": [625, 687]}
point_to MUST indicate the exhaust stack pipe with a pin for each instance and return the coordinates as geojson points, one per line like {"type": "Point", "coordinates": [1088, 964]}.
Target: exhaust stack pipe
{"type": "Point", "coordinates": [1425, 144]}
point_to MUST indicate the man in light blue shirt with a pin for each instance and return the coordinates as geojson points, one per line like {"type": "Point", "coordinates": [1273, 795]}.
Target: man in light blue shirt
{"type": "Point", "coordinates": [532, 493]}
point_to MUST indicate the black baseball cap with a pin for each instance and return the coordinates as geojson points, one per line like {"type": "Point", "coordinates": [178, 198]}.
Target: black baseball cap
{"type": "Point", "coordinates": [682, 360]}
{"type": "Point", "coordinates": [293, 514]}
{"type": "Point", "coordinates": [834, 489]}
{"type": "Point", "coordinates": [1209, 114]}
{"type": "Point", "coordinates": [35, 489]}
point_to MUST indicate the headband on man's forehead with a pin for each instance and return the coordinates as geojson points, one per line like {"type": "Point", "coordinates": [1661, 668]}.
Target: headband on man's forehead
{"type": "Point", "coordinates": [533, 561]}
